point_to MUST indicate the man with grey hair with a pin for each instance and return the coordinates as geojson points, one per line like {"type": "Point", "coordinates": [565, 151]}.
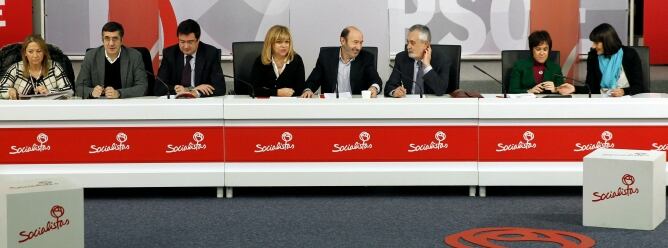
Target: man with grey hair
{"type": "Point", "coordinates": [418, 70]}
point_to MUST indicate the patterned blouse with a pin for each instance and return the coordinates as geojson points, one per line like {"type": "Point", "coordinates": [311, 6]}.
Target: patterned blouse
{"type": "Point", "coordinates": [55, 80]}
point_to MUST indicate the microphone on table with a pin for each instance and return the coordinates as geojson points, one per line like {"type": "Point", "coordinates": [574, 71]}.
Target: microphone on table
{"type": "Point", "coordinates": [250, 86]}
{"type": "Point", "coordinates": [410, 80]}
{"type": "Point", "coordinates": [503, 87]}
{"type": "Point", "coordinates": [160, 80]}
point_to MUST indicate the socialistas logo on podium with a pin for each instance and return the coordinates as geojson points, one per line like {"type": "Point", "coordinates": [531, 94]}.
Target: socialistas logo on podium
{"type": "Point", "coordinates": [198, 145]}
{"type": "Point", "coordinates": [120, 146]}
{"type": "Point", "coordinates": [627, 180]}
{"type": "Point", "coordinates": [437, 145]}
{"type": "Point", "coordinates": [606, 137]}
{"type": "Point", "coordinates": [659, 147]}
{"type": "Point", "coordinates": [42, 138]}
{"type": "Point", "coordinates": [521, 145]}
{"type": "Point", "coordinates": [286, 137]}
{"type": "Point", "coordinates": [364, 137]}
{"type": "Point", "coordinates": [56, 212]}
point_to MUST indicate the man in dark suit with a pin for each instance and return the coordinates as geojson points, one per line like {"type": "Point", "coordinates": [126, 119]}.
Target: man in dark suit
{"type": "Point", "coordinates": [418, 70]}
{"type": "Point", "coordinates": [347, 68]}
{"type": "Point", "coordinates": [191, 66]}
{"type": "Point", "coordinates": [112, 70]}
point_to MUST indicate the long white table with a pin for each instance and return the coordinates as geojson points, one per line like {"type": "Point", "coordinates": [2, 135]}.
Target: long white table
{"type": "Point", "coordinates": [235, 141]}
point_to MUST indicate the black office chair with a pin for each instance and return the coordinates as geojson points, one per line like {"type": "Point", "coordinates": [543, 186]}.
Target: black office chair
{"type": "Point", "coordinates": [372, 50]}
{"type": "Point", "coordinates": [643, 53]}
{"type": "Point", "coordinates": [509, 57]}
{"type": "Point", "coordinates": [11, 54]}
{"type": "Point", "coordinates": [244, 55]}
{"type": "Point", "coordinates": [148, 66]}
{"type": "Point", "coordinates": [454, 52]}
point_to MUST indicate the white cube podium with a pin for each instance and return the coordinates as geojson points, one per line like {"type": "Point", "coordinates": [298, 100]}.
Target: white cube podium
{"type": "Point", "coordinates": [624, 189]}
{"type": "Point", "coordinates": [41, 213]}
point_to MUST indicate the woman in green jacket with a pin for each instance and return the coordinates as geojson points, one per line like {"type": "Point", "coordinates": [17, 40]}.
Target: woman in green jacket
{"type": "Point", "coordinates": [538, 75]}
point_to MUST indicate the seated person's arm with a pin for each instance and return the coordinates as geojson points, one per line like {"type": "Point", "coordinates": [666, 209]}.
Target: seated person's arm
{"type": "Point", "coordinates": [7, 90]}
{"type": "Point", "coordinates": [139, 84]}
{"type": "Point", "coordinates": [438, 76]}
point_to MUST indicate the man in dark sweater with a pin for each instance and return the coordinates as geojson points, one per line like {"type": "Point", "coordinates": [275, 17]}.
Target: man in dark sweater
{"type": "Point", "coordinates": [112, 70]}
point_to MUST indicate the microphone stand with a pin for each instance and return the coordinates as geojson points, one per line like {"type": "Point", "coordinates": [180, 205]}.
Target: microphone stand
{"type": "Point", "coordinates": [503, 87]}
{"type": "Point", "coordinates": [250, 86]}
{"type": "Point", "coordinates": [404, 77]}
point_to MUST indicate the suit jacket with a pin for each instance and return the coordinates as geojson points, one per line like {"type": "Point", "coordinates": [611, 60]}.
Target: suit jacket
{"type": "Point", "coordinates": [133, 74]}
{"type": "Point", "coordinates": [363, 73]}
{"type": "Point", "coordinates": [207, 69]}
{"type": "Point", "coordinates": [522, 77]}
{"type": "Point", "coordinates": [632, 69]}
{"type": "Point", "coordinates": [266, 83]}
{"type": "Point", "coordinates": [435, 81]}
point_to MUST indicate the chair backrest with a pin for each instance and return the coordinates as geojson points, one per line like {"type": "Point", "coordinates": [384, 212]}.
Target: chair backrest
{"type": "Point", "coordinates": [454, 52]}
{"type": "Point", "coordinates": [148, 66]}
{"type": "Point", "coordinates": [244, 55]}
{"type": "Point", "coordinates": [11, 54]}
{"type": "Point", "coordinates": [58, 56]}
{"type": "Point", "coordinates": [372, 50]}
{"type": "Point", "coordinates": [509, 57]}
{"type": "Point", "coordinates": [643, 53]}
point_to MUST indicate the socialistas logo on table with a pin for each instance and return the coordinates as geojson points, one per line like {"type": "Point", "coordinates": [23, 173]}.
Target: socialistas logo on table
{"type": "Point", "coordinates": [521, 145]}
{"type": "Point", "coordinates": [606, 137]}
{"type": "Point", "coordinates": [198, 145]}
{"type": "Point", "coordinates": [56, 212]}
{"type": "Point", "coordinates": [659, 147]}
{"type": "Point", "coordinates": [364, 137]}
{"type": "Point", "coordinates": [434, 145]}
{"type": "Point", "coordinates": [627, 180]}
{"type": "Point", "coordinates": [120, 146]}
{"type": "Point", "coordinates": [286, 137]}
{"type": "Point", "coordinates": [42, 138]}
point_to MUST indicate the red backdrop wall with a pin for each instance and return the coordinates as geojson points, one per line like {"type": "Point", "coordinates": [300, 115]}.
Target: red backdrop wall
{"type": "Point", "coordinates": [15, 20]}
{"type": "Point", "coordinates": [656, 36]}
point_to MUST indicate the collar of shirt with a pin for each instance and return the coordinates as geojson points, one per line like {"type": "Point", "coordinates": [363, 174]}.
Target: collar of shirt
{"type": "Point", "coordinates": [111, 61]}
{"type": "Point", "coordinates": [276, 70]}
{"type": "Point", "coordinates": [192, 61]}
{"type": "Point", "coordinates": [343, 61]}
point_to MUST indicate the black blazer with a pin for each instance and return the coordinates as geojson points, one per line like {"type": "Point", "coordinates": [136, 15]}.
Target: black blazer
{"type": "Point", "coordinates": [632, 69]}
{"type": "Point", "coordinates": [435, 81]}
{"type": "Point", "coordinates": [207, 69]}
{"type": "Point", "coordinates": [266, 84]}
{"type": "Point", "coordinates": [363, 73]}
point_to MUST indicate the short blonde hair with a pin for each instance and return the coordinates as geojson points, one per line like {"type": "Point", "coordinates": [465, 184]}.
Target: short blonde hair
{"type": "Point", "coordinates": [46, 65]}
{"type": "Point", "coordinates": [275, 34]}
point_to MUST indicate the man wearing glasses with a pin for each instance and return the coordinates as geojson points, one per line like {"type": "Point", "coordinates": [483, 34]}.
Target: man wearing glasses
{"type": "Point", "coordinates": [191, 66]}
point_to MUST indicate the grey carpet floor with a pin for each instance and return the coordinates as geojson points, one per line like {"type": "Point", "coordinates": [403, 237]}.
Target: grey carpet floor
{"type": "Point", "coordinates": [335, 217]}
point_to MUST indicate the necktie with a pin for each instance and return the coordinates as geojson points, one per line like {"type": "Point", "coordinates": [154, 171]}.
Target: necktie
{"type": "Point", "coordinates": [419, 81]}
{"type": "Point", "coordinates": [187, 72]}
